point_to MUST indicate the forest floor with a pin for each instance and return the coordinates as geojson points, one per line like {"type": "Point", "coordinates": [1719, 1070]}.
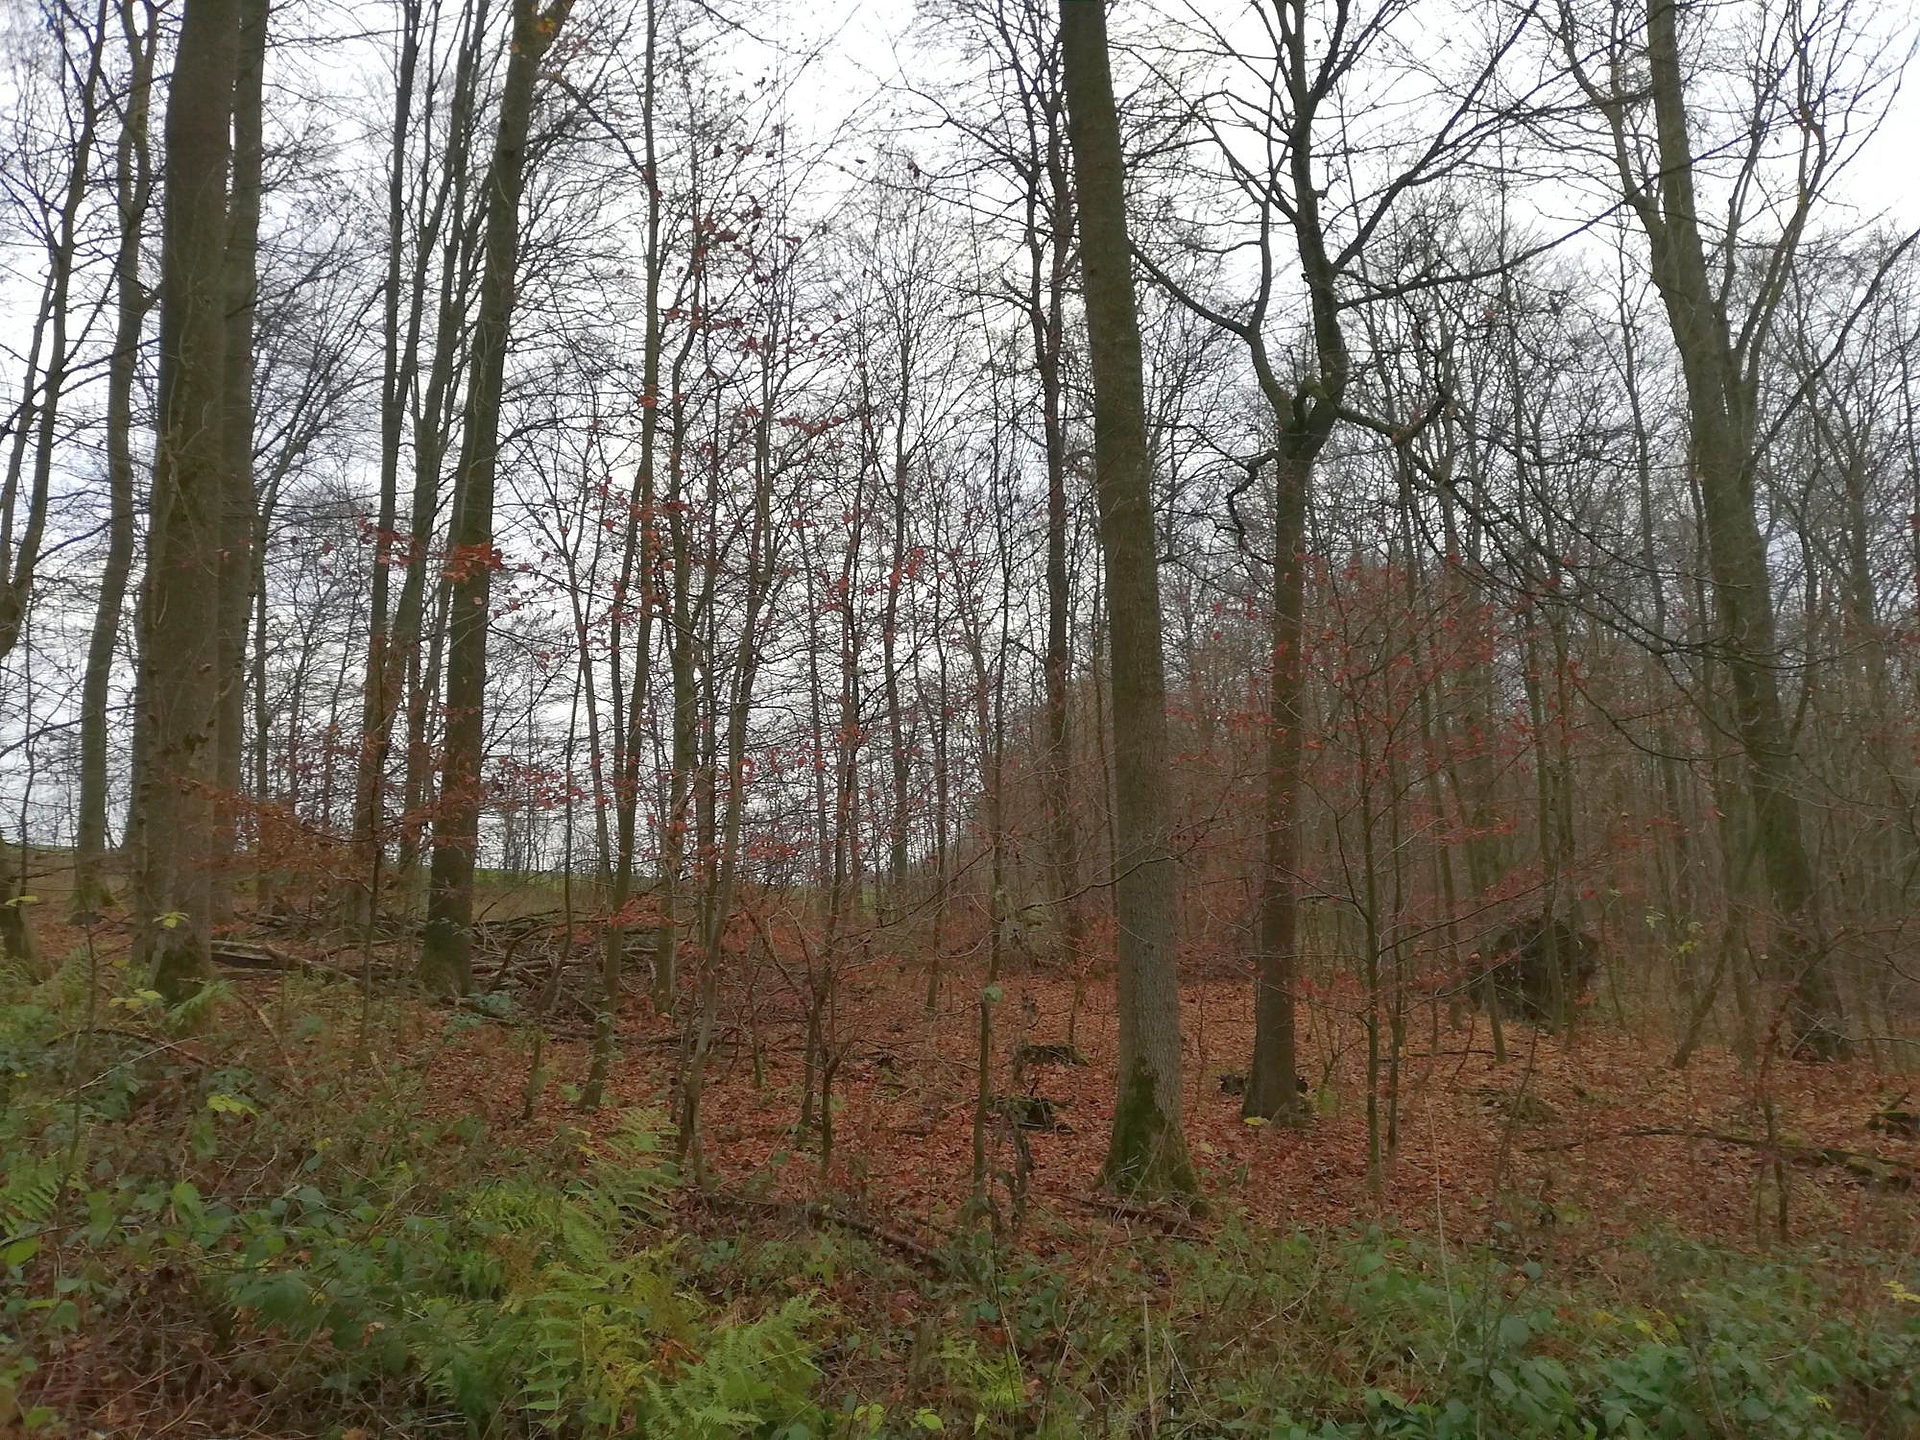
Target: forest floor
{"type": "Point", "coordinates": [1580, 1142]}
{"type": "Point", "coordinates": [1579, 1163]}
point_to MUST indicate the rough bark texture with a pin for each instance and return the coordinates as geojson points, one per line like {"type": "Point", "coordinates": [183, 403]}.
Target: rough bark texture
{"type": "Point", "coordinates": [180, 691]}
{"type": "Point", "coordinates": [446, 954]}
{"type": "Point", "coordinates": [1148, 1150]}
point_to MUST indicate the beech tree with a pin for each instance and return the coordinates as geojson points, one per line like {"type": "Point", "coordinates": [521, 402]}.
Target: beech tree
{"type": "Point", "coordinates": [1723, 284]}
{"type": "Point", "coordinates": [446, 961]}
{"type": "Point", "coordinates": [180, 676]}
{"type": "Point", "coordinates": [1148, 1152]}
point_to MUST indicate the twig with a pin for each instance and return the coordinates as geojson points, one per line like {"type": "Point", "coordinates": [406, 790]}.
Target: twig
{"type": "Point", "coordinates": [1180, 1226]}
{"type": "Point", "coordinates": [154, 1040]}
{"type": "Point", "coordinates": [286, 1056]}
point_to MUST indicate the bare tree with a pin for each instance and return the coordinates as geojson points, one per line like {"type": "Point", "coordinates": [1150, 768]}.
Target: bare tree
{"type": "Point", "coordinates": [180, 680]}
{"type": "Point", "coordinates": [133, 187]}
{"type": "Point", "coordinates": [1722, 283]}
{"type": "Point", "coordinates": [1148, 1152]}
{"type": "Point", "coordinates": [446, 963]}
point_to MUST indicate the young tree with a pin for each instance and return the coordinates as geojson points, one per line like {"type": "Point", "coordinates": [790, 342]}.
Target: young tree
{"type": "Point", "coordinates": [446, 951]}
{"type": "Point", "coordinates": [133, 187]}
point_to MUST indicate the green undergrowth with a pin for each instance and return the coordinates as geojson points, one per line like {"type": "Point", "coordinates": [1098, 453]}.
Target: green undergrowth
{"type": "Point", "coordinates": [223, 1213]}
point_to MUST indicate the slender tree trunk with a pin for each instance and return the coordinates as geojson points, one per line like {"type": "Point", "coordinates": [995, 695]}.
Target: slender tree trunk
{"type": "Point", "coordinates": [639, 556]}
{"type": "Point", "coordinates": [1050, 262]}
{"type": "Point", "coordinates": [380, 691]}
{"type": "Point", "coordinates": [17, 568]}
{"type": "Point", "coordinates": [446, 954]}
{"type": "Point", "coordinates": [450, 222]}
{"type": "Point", "coordinates": [133, 186]}
{"type": "Point", "coordinates": [237, 510]}
{"type": "Point", "coordinates": [1148, 1150]}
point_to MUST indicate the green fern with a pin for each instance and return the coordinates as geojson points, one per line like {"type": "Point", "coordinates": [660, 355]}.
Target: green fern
{"type": "Point", "coordinates": [752, 1376]}
{"type": "Point", "coordinates": [30, 1196]}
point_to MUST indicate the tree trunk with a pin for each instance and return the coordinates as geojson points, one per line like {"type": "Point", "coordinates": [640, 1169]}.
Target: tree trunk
{"type": "Point", "coordinates": [1148, 1149]}
{"type": "Point", "coordinates": [133, 185]}
{"type": "Point", "coordinates": [237, 510]}
{"type": "Point", "coordinates": [638, 567]}
{"type": "Point", "coordinates": [180, 653]}
{"type": "Point", "coordinates": [1720, 404]}
{"type": "Point", "coordinates": [446, 953]}
{"type": "Point", "coordinates": [1271, 1092]}
{"type": "Point", "coordinates": [379, 696]}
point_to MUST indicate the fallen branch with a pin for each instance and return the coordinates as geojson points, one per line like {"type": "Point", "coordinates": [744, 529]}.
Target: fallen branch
{"type": "Point", "coordinates": [1176, 1223]}
{"type": "Point", "coordinates": [156, 1041]}
{"type": "Point", "coordinates": [817, 1213]}
{"type": "Point", "coordinates": [249, 955]}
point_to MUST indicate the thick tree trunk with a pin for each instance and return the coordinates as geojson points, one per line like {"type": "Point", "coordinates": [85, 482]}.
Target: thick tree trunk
{"type": "Point", "coordinates": [446, 953]}
{"type": "Point", "coordinates": [181, 692]}
{"type": "Point", "coordinates": [1148, 1149]}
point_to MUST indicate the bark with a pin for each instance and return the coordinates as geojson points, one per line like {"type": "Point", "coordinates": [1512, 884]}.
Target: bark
{"type": "Point", "coordinates": [1050, 262]}
{"type": "Point", "coordinates": [731, 804]}
{"type": "Point", "coordinates": [180, 694]}
{"type": "Point", "coordinates": [133, 186]}
{"type": "Point", "coordinates": [1148, 1149]}
{"type": "Point", "coordinates": [1721, 407]}
{"type": "Point", "coordinates": [446, 953]}
{"type": "Point", "coordinates": [677, 613]}
{"type": "Point", "coordinates": [380, 692]}
{"type": "Point", "coordinates": [237, 519]}
{"type": "Point", "coordinates": [447, 222]}
{"type": "Point", "coordinates": [890, 621]}
{"type": "Point", "coordinates": [637, 577]}
{"type": "Point", "coordinates": [1271, 1092]}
